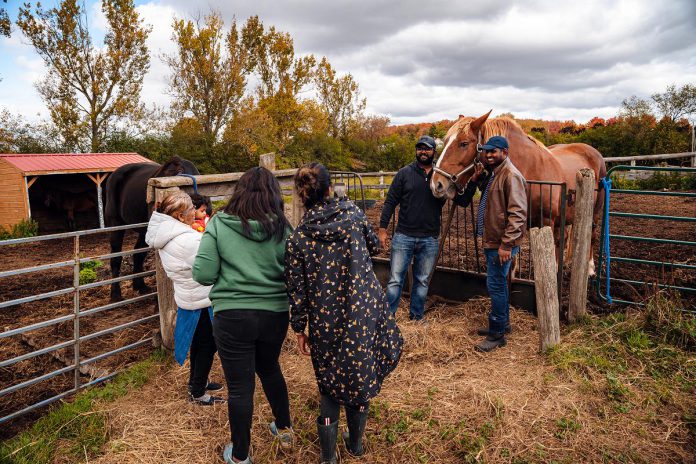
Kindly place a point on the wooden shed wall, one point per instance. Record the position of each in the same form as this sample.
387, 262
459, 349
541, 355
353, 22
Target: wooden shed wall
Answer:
13, 195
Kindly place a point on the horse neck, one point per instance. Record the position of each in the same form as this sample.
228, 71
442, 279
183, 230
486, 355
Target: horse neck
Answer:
533, 161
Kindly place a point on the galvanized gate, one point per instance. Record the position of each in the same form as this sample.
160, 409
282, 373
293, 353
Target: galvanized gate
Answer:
77, 358
633, 262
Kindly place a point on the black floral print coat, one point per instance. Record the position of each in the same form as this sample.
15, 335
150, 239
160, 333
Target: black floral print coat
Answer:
354, 339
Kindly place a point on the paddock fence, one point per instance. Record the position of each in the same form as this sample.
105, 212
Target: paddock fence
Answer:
79, 363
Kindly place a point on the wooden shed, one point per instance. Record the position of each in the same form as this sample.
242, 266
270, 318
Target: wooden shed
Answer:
48, 186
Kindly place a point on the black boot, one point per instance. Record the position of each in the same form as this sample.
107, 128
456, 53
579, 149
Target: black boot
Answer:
327, 440
483, 331
491, 342
356, 428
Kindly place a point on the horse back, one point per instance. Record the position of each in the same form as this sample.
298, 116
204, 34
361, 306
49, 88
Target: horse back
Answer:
126, 194
575, 156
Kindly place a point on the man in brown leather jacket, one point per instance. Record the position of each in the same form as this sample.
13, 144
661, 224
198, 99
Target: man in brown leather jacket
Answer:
502, 219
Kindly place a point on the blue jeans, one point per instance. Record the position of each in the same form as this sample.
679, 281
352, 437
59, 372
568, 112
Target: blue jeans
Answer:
423, 252
496, 281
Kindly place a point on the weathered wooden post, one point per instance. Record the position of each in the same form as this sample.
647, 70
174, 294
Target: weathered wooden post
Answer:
544, 259
268, 161
165, 287
381, 184
581, 240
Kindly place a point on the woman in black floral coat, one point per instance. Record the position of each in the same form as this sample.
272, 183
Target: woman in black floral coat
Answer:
354, 340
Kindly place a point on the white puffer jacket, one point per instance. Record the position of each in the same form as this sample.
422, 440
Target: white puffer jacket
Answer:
177, 245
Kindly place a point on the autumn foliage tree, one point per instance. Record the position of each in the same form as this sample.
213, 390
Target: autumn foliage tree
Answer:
339, 98
88, 88
208, 72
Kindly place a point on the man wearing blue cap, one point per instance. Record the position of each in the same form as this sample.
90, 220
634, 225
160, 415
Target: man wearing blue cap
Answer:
501, 221
418, 227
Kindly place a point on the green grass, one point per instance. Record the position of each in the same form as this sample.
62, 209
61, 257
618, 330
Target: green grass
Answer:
639, 358
24, 228
76, 430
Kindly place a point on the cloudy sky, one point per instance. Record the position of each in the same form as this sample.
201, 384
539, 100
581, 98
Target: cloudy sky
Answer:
419, 61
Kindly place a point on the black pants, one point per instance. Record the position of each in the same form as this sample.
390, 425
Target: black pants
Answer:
249, 343
330, 409
201, 356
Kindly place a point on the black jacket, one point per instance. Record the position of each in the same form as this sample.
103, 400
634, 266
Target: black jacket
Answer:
353, 336
419, 210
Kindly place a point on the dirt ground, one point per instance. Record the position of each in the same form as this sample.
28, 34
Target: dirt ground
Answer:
445, 403
21, 256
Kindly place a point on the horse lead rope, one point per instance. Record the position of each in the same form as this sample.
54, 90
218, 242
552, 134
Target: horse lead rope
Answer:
606, 185
193, 178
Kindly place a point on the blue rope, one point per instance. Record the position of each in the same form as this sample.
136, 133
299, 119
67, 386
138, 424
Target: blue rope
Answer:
195, 184
606, 185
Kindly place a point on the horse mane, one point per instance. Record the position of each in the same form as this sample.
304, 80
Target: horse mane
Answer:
501, 126
172, 167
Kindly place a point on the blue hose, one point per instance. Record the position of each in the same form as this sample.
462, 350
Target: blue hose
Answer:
606, 185
195, 184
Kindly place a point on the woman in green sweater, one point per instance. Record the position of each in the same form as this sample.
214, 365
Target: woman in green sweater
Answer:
242, 256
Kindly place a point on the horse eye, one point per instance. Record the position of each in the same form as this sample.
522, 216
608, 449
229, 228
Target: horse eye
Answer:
463, 144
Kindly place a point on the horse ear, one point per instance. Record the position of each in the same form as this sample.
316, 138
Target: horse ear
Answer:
478, 123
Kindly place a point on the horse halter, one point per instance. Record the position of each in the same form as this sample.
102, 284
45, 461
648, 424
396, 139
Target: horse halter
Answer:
453, 178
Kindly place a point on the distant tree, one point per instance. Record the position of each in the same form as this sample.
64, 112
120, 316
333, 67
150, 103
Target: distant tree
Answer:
208, 72
5, 23
675, 103
280, 74
635, 107
339, 98
88, 88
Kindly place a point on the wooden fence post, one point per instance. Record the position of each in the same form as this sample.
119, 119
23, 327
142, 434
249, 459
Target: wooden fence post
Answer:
268, 161
165, 287
581, 240
381, 184
544, 259
296, 210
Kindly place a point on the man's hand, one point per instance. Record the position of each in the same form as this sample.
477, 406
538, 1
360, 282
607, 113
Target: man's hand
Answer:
382, 235
478, 170
303, 343
504, 255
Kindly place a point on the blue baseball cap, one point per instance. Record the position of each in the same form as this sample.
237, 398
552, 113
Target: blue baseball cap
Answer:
494, 142
427, 141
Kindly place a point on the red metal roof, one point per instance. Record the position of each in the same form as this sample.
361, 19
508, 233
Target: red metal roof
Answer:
87, 162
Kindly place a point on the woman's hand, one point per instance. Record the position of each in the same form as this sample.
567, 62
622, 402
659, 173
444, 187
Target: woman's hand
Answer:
303, 343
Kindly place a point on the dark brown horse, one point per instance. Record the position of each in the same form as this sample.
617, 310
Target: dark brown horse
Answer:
69, 203
558, 163
126, 192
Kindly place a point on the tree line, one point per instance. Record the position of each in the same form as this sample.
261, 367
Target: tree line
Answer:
240, 90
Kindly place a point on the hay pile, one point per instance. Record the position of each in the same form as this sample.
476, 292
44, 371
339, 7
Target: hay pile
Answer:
445, 403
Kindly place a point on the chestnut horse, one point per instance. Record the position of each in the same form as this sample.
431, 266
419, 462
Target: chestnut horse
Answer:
557, 163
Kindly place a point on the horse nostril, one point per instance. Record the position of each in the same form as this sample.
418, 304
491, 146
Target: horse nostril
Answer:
439, 186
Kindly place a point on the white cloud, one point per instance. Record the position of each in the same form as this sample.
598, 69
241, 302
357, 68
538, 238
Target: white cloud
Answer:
418, 61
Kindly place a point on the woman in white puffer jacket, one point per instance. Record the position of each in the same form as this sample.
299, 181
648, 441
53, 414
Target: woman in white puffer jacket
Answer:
169, 232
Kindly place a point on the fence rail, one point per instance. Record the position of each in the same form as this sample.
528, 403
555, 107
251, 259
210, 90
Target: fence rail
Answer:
78, 360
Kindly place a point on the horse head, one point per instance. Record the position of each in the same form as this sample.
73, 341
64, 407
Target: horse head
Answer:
174, 166
455, 165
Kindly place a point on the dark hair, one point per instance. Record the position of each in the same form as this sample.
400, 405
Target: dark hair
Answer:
257, 197
312, 182
199, 200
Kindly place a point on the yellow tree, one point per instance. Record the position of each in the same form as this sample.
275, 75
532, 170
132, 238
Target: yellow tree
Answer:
338, 97
281, 76
5, 23
208, 72
88, 88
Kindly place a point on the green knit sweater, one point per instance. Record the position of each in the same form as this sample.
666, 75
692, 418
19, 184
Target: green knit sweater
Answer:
246, 271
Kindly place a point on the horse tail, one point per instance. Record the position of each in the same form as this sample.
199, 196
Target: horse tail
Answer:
172, 167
